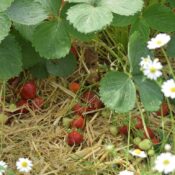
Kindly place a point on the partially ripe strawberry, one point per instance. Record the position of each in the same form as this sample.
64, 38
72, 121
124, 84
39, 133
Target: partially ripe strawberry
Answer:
22, 103
139, 123
28, 90
74, 138
150, 133
78, 109
37, 103
92, 100
164, 110
74, 87
123, 130
78, 123
74, 51
155, 141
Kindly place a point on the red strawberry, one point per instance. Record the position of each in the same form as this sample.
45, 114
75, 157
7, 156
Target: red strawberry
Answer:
139, 123
92, 100
74, 138
123, 130
78, 109
164, 110
74, 51
74, 87
28, 90
22, 103
150, 133
78, 123
155, 141
37, 103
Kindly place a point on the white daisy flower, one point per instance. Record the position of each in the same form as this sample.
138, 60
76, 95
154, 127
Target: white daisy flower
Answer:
158, 41
126, 172
164, 163
145, 61
153, 69
3, 167
167, 147
168, 88
24, 165
138, 153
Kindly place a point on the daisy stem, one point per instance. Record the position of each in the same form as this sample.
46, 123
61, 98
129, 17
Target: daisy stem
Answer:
129, 134
143, 120
168, 62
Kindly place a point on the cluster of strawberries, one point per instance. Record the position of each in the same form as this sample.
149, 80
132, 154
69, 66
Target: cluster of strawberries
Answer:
89, 102
29, 98
138, 126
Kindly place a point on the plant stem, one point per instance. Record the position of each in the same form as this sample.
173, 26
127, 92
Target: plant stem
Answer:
111, 52
129, 133
143, 120
168, 62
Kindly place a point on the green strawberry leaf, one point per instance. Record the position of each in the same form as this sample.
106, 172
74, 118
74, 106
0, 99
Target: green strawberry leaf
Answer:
142, 27
77, 1
62, 67
150, 93
10, 58
39, 70
87, 18
118, 92
51, 6
4, 4
136, 49
51, 40
123, 7
25, 30
5, 25
27, 12
171, 47
160, 17
121, 21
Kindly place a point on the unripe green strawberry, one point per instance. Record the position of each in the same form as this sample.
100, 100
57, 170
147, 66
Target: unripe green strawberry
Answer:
113, 130
137, 140
146, 144
67, 122
3, 118
151, 152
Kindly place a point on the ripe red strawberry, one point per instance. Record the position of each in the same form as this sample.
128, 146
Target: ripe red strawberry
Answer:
28, 90
22, 103
92, 100
74, 51
78, 109
78, 123
74, 138
164, 109
139, 123
123, 130
37, 103
150, 133
155, 141
74, 87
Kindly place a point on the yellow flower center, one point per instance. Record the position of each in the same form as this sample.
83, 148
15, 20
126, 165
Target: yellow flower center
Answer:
24, 164
172, 89
166, 162
152, 69
137, 151
159, 42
